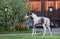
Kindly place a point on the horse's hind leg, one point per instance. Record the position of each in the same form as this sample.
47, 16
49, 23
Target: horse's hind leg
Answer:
44, 30
49, 30
48, 26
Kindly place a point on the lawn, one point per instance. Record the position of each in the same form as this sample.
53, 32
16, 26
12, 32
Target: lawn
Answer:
31, 37
18, 32
14, 32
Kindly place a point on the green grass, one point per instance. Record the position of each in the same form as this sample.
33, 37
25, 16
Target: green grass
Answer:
18, 32
14, 32
31, 37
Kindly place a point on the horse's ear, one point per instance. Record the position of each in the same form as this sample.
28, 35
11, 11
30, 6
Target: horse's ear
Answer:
27, 13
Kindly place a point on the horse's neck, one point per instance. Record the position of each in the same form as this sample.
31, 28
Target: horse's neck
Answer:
34, 16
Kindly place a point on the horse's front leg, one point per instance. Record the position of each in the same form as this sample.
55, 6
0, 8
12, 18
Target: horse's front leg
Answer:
33, 30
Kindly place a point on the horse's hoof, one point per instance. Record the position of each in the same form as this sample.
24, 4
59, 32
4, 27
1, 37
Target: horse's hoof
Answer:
51, 34
43, 35
32, 34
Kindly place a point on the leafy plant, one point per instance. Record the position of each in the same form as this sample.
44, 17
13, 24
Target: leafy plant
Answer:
16, 11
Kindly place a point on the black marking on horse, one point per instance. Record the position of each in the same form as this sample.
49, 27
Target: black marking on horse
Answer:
29, 13
41, 21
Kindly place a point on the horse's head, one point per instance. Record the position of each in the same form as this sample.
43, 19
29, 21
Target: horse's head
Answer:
29, 14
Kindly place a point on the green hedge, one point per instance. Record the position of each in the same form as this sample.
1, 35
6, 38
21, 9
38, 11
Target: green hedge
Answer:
16, 11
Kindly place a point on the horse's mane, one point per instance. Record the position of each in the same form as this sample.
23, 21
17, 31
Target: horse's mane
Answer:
34, 14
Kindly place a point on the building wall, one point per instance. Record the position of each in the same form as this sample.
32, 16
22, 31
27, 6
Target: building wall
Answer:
49, 3
36, 5
58, 4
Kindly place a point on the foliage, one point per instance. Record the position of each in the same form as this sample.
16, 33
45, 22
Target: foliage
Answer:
16, 11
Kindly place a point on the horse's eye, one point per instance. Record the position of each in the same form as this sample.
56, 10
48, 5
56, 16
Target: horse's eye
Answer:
30, 13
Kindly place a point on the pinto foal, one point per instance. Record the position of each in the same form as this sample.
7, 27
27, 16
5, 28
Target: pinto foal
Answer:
44, 20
